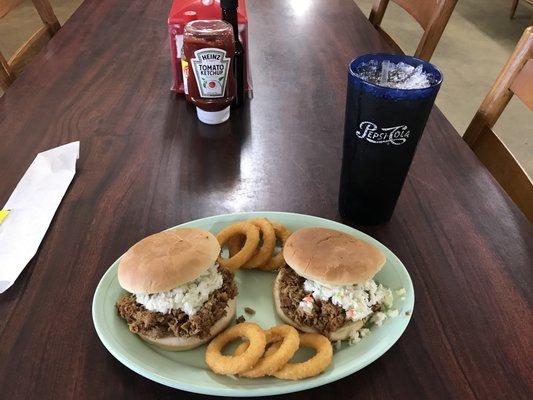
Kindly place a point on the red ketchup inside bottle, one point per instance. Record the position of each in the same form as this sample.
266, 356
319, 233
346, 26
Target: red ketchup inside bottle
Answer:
209, 48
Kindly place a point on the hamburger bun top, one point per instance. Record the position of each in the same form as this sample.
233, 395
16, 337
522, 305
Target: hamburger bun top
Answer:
162, 261
332, 257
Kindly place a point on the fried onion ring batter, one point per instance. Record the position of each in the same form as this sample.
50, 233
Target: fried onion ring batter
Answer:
315, 365
287, 340
251, 232
264, 252
230, 365
277, 261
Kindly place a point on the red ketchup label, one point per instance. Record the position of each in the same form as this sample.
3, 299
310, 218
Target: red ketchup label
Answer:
209, 48
211, 67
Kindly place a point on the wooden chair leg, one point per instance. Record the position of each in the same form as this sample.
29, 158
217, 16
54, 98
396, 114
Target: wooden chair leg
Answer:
45, 11
6, 77
377, 12
513, 8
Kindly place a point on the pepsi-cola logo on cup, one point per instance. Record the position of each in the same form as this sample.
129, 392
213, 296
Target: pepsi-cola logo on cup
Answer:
396, 135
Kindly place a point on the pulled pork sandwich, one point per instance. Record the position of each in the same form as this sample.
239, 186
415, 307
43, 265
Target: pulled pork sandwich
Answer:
179, 297
327, 285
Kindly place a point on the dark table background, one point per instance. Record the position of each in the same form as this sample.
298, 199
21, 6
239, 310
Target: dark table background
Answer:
146, 164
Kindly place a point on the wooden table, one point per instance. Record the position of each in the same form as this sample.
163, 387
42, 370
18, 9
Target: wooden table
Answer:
146, 164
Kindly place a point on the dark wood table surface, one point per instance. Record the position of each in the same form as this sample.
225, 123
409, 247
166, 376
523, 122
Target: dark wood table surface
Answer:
146, 164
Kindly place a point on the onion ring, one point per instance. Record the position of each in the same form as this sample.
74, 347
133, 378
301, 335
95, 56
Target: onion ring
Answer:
265, 251
235, 244
275, 357
230, 365
315, 365
270, 348
252, 240
277, 261
269, 243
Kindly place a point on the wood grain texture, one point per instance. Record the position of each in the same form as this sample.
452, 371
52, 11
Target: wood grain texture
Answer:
6, 76
522, 85
432, 15
146, 163
515, 78
46, 12
506, 169
9, 70
28, 51
500, 94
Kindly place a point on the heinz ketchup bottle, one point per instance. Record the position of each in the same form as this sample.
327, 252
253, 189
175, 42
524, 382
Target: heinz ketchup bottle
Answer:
209, 48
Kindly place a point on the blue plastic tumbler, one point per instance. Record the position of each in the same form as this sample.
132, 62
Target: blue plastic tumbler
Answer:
382, 128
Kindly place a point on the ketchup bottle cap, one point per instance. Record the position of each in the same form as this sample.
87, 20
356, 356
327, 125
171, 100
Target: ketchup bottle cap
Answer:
213, 117
229, 4
189, 16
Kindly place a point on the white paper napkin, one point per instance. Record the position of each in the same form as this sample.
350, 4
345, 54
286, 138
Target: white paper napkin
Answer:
32, 206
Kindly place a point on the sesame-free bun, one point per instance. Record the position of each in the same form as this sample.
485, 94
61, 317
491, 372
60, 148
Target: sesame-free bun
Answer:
162, 261
174, 343
332, 257
342, 333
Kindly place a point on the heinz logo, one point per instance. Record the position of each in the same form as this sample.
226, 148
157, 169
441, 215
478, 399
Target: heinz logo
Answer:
396, 135
210, 56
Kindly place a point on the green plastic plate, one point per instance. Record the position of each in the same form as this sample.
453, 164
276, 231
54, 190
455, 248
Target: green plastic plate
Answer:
187, 370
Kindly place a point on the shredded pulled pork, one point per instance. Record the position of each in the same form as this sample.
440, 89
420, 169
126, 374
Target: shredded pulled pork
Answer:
325, 316
176, 323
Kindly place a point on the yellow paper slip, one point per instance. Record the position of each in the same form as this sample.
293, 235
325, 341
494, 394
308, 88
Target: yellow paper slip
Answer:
3, 215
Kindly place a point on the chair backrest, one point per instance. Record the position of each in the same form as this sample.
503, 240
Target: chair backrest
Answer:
432, 15
10, 69
516, 78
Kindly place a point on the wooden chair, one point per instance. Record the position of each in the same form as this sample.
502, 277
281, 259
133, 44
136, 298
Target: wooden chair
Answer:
516, 78
432, 15
515, 4
9, 70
